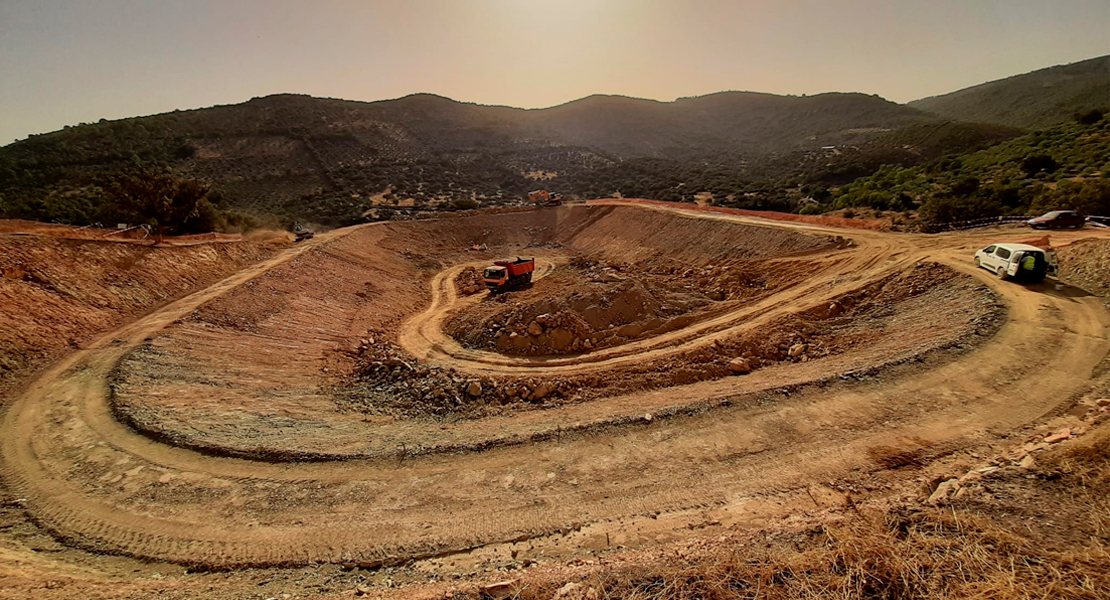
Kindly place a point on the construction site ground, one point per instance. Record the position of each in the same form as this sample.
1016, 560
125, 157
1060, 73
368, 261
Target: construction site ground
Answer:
349, 414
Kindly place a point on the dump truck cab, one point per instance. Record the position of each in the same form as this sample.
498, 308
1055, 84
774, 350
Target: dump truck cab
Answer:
495, 276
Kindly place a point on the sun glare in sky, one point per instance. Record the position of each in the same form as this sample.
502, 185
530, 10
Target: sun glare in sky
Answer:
64, 62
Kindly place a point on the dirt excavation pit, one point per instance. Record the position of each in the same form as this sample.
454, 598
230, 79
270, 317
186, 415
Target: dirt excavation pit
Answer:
368, 429
901, 317
590, 303
319, 346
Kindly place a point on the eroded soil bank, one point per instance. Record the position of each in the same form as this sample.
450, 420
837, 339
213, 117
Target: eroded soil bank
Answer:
57, 293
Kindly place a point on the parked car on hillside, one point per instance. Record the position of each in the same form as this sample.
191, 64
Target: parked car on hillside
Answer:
1020, 261
1058, 219
1098, 221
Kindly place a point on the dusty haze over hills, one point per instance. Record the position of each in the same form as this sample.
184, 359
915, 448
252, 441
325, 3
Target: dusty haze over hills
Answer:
65, 62
336, 161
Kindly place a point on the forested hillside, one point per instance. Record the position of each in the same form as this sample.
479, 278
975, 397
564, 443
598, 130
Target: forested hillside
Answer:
1031, 101
1062, 167
338, 162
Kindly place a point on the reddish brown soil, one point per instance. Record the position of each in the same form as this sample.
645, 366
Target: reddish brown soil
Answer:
592, 304
18, 227
890, 321
1086, 263
57, 293
887, 370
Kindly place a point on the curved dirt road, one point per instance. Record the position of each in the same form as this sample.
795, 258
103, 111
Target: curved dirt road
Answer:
843, 271
96, 483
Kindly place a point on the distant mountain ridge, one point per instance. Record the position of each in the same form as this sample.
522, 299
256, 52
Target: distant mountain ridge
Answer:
1035, 100
335, 161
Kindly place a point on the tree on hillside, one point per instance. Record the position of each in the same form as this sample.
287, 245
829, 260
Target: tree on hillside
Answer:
1038, 163
154, 196
1089, 118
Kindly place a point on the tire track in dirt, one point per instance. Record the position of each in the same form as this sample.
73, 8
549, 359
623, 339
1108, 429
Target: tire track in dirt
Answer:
424, 337
222, 513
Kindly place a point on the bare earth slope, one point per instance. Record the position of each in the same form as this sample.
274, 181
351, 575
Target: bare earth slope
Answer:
803, 418
57, 293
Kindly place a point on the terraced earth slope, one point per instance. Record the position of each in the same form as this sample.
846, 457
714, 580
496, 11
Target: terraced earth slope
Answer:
313, 407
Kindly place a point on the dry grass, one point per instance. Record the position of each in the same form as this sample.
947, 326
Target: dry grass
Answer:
934, 554
902, 553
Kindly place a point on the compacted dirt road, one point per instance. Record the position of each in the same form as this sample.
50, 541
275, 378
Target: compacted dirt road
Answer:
98, 484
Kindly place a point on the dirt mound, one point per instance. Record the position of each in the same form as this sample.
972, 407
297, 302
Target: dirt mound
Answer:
469, 282
570, 313
591, 304
1086, 264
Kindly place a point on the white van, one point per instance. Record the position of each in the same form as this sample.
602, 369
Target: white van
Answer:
1020, 261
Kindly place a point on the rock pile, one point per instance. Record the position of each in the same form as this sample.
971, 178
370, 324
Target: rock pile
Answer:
469, 282
389, 381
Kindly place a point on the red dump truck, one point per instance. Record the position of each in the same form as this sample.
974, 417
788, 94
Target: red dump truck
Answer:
505, 274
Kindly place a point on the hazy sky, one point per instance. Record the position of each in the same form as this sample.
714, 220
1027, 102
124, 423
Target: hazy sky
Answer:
64, 62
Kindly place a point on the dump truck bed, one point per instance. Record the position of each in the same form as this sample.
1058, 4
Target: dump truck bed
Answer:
519, 266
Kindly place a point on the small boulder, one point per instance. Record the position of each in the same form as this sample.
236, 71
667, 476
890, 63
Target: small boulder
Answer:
1059, 436
630, 330
560, 339
1028, 462
970, 477
1102, 402
542, 319
740, 365
474, 389
944, 490
535, 328
542, 391
501, 589
567, 592
835, 309
797, 350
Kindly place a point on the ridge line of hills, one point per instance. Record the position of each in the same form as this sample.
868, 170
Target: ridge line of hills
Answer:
338, 162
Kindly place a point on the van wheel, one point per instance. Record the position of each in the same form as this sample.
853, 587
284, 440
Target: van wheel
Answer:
977, 263
1001, 272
